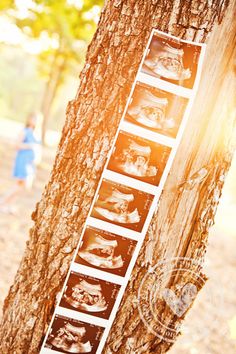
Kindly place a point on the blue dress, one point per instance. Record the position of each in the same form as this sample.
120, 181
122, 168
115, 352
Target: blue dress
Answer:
24, 162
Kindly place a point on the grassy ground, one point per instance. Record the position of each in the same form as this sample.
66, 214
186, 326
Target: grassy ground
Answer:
210, 327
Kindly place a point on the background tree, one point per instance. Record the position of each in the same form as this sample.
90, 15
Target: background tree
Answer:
71, 25
187, 205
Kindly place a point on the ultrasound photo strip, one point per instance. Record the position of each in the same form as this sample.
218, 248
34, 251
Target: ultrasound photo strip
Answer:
84, 313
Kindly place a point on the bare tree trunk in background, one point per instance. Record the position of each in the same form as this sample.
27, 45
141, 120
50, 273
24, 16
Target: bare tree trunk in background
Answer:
51, 89
180, 227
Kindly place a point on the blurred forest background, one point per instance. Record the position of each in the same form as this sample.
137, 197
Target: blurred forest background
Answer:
42, 47
42, 50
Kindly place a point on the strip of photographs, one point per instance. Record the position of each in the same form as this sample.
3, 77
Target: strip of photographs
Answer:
127, 195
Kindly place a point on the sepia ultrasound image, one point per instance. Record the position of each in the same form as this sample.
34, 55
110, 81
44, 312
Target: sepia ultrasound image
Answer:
172, 60
139, 158
106, 251
156, 110
72, 336
89, 295
122, 205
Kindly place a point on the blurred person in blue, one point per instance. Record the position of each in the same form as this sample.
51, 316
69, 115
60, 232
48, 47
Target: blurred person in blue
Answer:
27, 156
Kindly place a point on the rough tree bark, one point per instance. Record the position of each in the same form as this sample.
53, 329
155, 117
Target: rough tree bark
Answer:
187, 205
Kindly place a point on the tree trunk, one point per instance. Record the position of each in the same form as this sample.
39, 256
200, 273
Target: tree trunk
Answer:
187, 205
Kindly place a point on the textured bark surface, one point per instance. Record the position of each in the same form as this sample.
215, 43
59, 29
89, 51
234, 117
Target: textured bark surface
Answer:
187, 205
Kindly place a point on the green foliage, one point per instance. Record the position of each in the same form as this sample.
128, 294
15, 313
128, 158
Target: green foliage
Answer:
60, 21
66, 26
6, 5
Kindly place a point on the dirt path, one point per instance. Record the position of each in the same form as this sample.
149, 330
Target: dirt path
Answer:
14, 228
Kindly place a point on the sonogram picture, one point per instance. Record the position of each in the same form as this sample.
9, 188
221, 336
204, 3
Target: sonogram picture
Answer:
106, 251
139, 158
89, 295
122, 205
156, 110
172, 59
73, 336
